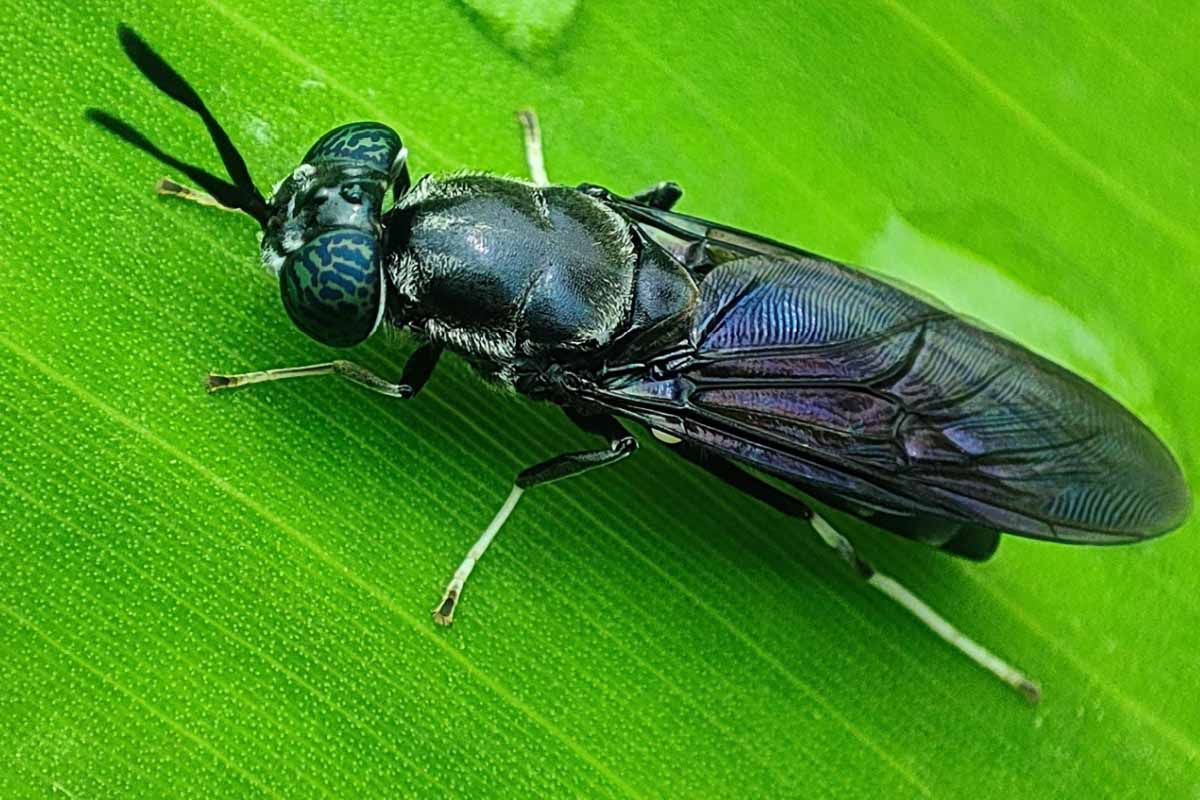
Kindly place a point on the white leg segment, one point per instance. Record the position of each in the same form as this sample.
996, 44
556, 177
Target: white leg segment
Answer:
533, 146
217, 382
170, 188
346, 369
932, 619
443, 612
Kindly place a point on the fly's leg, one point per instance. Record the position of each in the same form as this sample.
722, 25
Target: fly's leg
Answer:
170, 188
533, 146
787, 504
662, 195
620, 445
417, 370
932, 619
443, 612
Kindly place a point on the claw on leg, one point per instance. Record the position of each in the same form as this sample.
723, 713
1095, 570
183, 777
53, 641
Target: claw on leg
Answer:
443, 612
215, 383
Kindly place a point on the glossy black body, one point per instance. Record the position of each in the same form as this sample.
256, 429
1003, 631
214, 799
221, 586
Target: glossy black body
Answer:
533, 285
857, 392
740, 350
735, 347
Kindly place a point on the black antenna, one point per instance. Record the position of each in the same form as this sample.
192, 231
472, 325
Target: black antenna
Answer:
242, 193
223, 191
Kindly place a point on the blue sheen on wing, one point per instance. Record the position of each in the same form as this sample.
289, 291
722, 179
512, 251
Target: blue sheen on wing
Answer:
844, 384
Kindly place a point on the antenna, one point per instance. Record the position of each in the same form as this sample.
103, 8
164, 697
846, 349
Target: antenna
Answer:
241, 193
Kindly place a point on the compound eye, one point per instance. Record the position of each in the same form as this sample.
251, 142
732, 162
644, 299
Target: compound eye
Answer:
371, 145
332, 287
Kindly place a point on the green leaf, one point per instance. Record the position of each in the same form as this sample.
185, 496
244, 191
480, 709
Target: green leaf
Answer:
229, 595
527, 27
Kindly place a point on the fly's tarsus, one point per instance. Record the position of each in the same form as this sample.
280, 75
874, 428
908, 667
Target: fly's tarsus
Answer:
215, 383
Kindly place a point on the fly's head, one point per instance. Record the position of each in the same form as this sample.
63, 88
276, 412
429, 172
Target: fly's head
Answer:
322, 233
324, 236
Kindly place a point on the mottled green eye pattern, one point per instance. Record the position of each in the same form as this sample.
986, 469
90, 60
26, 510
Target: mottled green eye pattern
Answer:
332, 287
371, 145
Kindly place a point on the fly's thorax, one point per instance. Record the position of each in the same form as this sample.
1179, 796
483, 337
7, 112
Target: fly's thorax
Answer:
323, 237
504, 271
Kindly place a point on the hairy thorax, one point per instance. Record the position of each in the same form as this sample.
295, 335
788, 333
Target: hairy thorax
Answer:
507, 273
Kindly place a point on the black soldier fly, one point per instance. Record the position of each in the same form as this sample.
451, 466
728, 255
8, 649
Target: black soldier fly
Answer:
746, 355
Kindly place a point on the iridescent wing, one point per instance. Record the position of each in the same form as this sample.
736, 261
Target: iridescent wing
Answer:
854, 389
